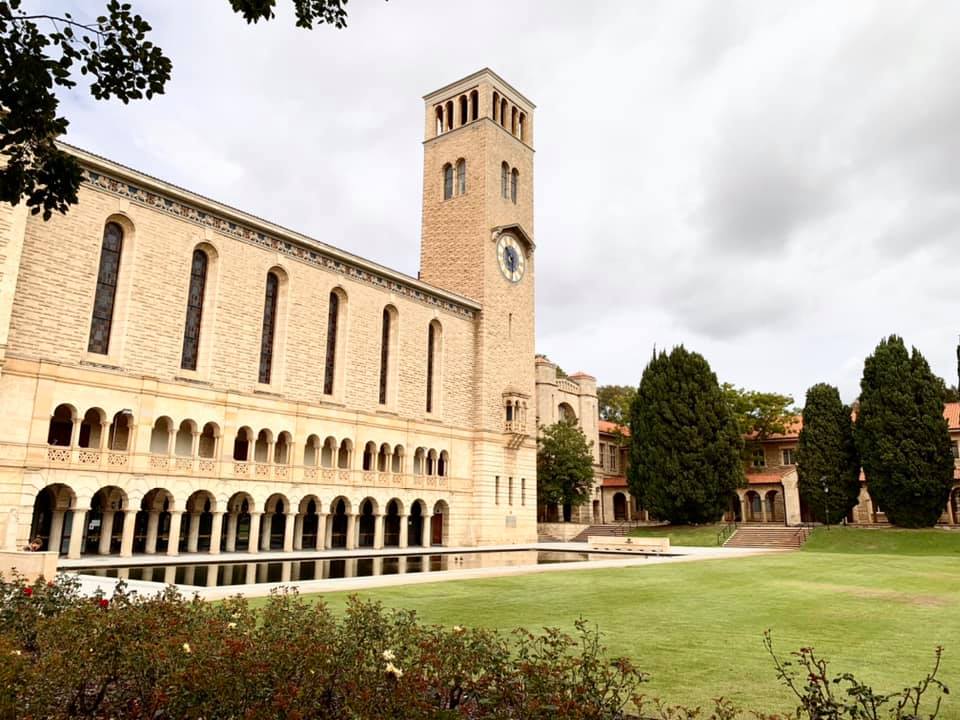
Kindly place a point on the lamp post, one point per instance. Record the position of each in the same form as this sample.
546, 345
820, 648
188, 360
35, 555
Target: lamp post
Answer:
826, 505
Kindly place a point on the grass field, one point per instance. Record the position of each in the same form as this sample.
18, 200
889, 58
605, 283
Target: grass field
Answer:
683, 535
697, 627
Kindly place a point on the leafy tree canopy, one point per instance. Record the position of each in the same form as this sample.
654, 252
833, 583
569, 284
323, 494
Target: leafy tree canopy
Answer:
902, 436
42, 54
685, 442
828, 465
614, 402
759, 414
564, 464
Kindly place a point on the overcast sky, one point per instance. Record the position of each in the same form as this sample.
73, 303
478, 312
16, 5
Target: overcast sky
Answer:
772, 184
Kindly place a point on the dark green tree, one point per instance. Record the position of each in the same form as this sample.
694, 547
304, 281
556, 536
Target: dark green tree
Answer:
828, 466
685, 443
41, 54
902, 436
564, 466
614, 402
760, 414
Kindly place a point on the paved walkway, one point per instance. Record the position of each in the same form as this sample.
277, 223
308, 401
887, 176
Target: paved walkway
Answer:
91, 584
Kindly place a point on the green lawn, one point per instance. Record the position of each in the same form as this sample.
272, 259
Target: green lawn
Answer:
697, 626
885, 541
683, 535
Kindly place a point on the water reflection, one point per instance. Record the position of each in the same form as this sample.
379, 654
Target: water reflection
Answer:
222, 574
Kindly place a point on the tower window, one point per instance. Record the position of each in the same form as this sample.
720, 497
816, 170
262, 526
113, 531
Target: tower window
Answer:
384, 356
269, 327
474, 105
439, 119
333, 315
463, 110
513, 121
514, 176
520, 125
503, 112
431, 363
504, 180
447, 181
106, 293
461, 176
496, 106
191, 329
449, 114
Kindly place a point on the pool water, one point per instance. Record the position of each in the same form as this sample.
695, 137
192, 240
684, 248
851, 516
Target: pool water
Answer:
225, 574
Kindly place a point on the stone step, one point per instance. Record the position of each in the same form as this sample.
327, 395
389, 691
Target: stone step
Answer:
766, 536
618, 530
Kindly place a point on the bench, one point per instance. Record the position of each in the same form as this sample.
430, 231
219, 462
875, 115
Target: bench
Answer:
629, 544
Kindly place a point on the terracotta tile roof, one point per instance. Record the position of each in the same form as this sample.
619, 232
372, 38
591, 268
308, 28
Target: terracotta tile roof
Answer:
768, 476
614, 481
605, 426
951, 411
793, 431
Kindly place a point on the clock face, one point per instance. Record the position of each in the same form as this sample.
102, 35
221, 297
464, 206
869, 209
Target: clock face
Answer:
511, 258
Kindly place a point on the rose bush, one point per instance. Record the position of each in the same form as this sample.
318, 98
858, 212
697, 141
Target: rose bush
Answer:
66, 655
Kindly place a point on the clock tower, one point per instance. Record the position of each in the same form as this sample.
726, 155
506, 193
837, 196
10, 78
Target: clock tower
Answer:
477, 240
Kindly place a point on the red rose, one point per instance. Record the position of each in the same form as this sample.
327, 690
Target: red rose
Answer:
28, 591
104, 602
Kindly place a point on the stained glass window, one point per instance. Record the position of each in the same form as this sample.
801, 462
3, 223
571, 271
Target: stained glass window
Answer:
269, 326
191, 328
332, 317
106, 289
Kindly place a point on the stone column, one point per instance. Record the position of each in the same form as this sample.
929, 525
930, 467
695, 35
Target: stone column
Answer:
129, 525
297, 531
211, 575
427, 531
78, 528
378, 521
216, 532
106, 530
266, 526
195, 444
231, 532
172, 441
351, 531
254, 532
404, 530
251, 576
288, 528
75, 432
322, 525
763, 507
193, 534
56, 531
173, 546
153, 524
104, 436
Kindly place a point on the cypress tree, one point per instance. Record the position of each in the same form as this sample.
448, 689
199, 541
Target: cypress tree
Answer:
902, 435
685, 443
827, 450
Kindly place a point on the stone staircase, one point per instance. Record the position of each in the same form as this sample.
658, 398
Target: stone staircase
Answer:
609, 530
767, 536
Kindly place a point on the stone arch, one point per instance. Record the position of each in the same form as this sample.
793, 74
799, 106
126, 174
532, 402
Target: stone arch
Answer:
209, 439
383, 458
367, 522
239, 523
282, 448
773, 502
474, 104
152, 522
619, 507
261, 446
565, 412
328, 452
119, 433
242, 444
311, 451
443, 464
160, 436
53, 509
369, 456
396, 460
273, 523
431, 464
60, 430
392, 517
91, 428
419, 461
345, 454
464, 110
753, 509
104, 525
183, 440
415, 523
307, 531
339, 524
196, 525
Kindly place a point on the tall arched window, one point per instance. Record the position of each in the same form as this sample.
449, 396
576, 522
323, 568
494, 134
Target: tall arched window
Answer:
384, 356
513, 120
503, 112
106, 293
514, 178
448, 113
431, 363
439, 119
191, 328
463, 110
504, 180
269, 327
461, 176
333, 315
520, 125
474, 105
447, 181
496, 105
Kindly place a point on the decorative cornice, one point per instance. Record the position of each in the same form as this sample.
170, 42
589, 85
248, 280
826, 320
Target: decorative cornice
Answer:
317, 256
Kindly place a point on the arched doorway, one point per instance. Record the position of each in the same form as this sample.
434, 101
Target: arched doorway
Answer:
391, 525
103, 530
368, 524
338, 524
152, 523
273, 524
237, 538
754, 508
53, 518
438, 529
415, 524
309, 524
196, 525
774, 506
619, 507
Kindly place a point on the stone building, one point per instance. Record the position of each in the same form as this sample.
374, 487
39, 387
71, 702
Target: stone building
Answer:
179, 375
